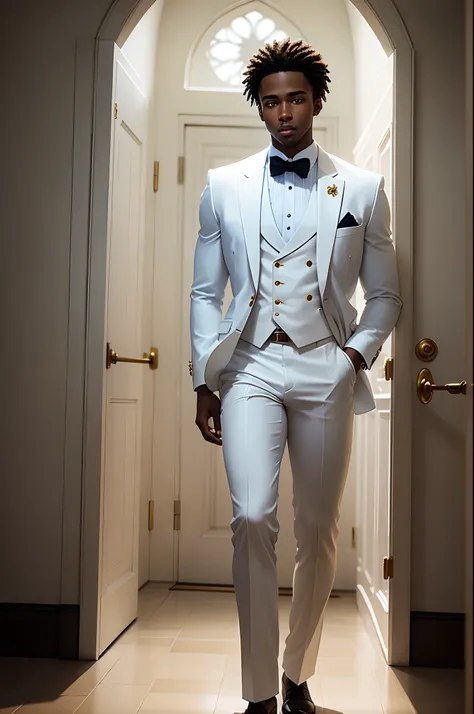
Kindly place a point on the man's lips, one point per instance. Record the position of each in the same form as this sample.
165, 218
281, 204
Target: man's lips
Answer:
287, 130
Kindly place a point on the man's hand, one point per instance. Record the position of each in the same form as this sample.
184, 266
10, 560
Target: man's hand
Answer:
355, 357
209, 407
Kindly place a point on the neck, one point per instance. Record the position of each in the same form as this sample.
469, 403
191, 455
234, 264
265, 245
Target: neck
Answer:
291, 151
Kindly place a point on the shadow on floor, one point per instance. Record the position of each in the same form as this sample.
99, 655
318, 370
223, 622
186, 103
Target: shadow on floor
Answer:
24, 680
443, 687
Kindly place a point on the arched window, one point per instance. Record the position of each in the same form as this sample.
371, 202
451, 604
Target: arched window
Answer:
219, 57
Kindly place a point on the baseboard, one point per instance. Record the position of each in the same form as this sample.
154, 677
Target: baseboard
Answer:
32, 630
437, 639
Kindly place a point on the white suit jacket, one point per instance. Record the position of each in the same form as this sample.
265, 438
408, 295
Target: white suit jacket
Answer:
228, 247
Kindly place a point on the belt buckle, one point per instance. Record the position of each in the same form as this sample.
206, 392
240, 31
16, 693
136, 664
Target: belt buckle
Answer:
280, 336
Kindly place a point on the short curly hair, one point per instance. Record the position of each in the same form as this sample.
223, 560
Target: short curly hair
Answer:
286, 56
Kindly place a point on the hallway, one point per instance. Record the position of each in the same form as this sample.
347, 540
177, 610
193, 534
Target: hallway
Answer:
182, 657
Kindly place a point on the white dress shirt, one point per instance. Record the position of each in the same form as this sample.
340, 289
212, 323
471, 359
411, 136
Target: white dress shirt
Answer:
289, 194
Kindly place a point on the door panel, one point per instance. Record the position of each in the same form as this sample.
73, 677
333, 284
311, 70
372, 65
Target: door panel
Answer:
205, 549
123, 382
371, 457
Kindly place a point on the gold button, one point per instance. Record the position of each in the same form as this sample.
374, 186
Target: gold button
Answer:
309, 263
277, 282
277, 314
309, 298
277, 265
252, 300
277, 302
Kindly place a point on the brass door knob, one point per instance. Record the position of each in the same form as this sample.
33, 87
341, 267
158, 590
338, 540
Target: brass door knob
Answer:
425, 387
426, 350
150, 358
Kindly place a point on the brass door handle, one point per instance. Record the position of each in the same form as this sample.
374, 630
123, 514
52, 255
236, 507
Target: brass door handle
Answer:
149, 358
425, 387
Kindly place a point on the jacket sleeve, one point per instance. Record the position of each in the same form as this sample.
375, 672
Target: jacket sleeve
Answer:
379, 280
210, 280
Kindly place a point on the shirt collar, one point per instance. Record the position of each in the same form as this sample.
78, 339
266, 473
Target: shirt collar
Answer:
311, 153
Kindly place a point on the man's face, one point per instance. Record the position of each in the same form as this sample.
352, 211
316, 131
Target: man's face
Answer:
287, 108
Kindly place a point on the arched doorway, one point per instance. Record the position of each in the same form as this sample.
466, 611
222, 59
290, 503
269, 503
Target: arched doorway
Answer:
122, 17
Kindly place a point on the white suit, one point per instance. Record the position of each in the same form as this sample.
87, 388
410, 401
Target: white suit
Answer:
229, 247
302, 393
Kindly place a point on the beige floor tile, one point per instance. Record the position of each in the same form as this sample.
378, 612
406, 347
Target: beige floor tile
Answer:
342, 668
147, 642
90, 679
402, 706
230, 705
349, 702
182, 654
216, 631
233, 666
161, 631
357, 647
204, 646
119, 699
209, 685
63, 705
231, 686
430, 685
179, 665
179, 704
140, 667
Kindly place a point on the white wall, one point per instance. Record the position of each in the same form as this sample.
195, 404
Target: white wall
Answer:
141, 46
37, 56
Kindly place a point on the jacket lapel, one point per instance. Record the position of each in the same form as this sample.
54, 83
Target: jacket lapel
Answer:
250, 200
330, 195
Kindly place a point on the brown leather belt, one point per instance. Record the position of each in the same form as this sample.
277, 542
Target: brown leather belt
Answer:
279, 336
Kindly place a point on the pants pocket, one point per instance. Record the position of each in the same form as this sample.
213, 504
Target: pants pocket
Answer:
351, 363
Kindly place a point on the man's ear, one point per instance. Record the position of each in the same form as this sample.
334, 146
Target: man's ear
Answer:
317, 106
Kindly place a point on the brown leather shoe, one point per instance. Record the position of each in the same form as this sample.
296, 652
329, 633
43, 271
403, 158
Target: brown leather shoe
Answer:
296, 698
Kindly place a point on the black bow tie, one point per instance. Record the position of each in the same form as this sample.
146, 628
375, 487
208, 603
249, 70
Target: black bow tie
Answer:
278, 166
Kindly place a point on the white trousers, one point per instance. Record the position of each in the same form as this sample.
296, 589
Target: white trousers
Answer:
269, 397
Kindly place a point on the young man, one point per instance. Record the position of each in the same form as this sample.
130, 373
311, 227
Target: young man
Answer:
294, 229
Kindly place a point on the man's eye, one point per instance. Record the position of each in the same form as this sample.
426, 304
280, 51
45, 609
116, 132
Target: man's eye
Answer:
297, 100
269, 105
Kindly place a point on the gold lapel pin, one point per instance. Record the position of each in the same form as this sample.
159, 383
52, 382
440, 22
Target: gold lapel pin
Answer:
332, 190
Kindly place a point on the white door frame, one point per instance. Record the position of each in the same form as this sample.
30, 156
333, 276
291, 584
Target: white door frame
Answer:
469, 357
88, 270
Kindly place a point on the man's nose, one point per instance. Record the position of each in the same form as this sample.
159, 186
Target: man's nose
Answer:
285, 112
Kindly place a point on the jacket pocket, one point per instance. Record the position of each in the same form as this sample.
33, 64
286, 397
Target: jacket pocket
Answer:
352, 230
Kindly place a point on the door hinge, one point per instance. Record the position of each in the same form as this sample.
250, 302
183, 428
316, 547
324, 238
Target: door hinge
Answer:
156, 175
177, 516
388, 368
151, 515
180, 170
388, 568
115, 110
354, 537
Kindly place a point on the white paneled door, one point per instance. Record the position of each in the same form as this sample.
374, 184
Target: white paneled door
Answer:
371, 459
205, 549
124, 383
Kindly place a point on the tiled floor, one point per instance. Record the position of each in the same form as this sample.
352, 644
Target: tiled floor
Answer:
182, 657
